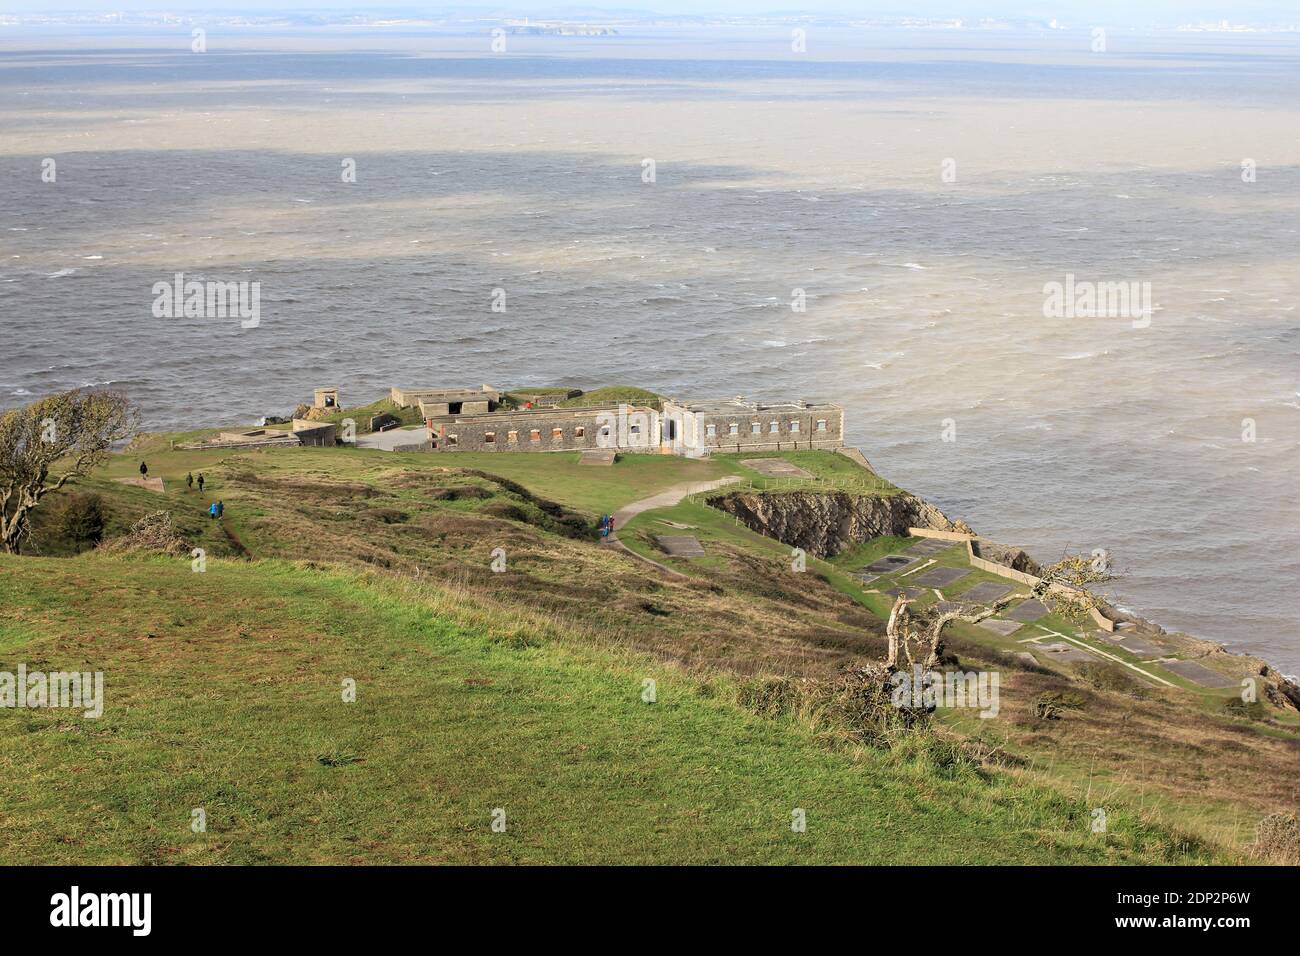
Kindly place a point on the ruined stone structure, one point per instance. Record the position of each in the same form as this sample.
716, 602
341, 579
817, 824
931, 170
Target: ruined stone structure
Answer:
448, 401
738, 425
327, 398
246, 438
625, 428
301, 432
691, 429
315, 434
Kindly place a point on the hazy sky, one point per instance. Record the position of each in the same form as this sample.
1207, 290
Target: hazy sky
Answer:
1091, 11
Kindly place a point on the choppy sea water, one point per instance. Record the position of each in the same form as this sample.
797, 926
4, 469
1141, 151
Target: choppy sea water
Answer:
772, 174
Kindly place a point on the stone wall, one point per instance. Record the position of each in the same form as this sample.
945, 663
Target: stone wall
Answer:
679, 429
975, 546
551, 429
438, 409
288, 441
733, 430
410, 397
315, 434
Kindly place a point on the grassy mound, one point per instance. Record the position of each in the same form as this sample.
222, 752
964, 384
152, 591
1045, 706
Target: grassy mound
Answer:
613, 395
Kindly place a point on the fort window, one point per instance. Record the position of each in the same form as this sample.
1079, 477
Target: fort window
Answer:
634, 429
557, 434
794, 427
710, 430
535, 434
512, 436
733, 429
821, 424
773, 427
453, 408
489, 438
451, 439
755, 428
579, 431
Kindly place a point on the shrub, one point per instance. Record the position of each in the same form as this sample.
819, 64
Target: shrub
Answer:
1236, 707
856, 702
154, 532
1112, 677
1054, 705
1277, 839
80, 522
770, 697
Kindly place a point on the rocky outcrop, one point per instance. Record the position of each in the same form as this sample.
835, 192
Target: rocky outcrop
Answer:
1007, 556
824, 524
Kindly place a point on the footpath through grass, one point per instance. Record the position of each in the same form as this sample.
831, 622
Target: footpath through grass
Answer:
558, 476
224, 692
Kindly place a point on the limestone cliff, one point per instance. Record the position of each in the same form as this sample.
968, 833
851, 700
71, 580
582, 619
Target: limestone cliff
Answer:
1009, 555
825, 523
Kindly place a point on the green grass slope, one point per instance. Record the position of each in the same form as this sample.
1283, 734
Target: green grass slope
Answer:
613, 395
224, 692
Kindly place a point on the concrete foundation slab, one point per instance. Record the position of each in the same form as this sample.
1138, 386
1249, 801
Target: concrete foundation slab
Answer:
943, 607
680, 545
910, 592
1000, 627
1198, 674
1134, 645
1067, 652
941, 577
889, 563
1027, 611
152, 484
986, 591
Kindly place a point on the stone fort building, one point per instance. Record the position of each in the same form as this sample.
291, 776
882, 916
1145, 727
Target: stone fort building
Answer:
682, 428
448, 401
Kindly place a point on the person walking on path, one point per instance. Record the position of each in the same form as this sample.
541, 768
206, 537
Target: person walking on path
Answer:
189, 480
212, 510
200, 482
144, 470
221, 508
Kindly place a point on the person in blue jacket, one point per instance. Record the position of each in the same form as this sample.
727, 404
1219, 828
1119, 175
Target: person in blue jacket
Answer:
212, 510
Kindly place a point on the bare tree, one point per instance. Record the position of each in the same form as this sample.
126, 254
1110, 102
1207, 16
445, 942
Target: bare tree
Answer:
1063, 587
70, 433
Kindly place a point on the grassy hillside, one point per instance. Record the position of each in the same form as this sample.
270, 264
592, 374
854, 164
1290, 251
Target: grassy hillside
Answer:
223, 692
332, 543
